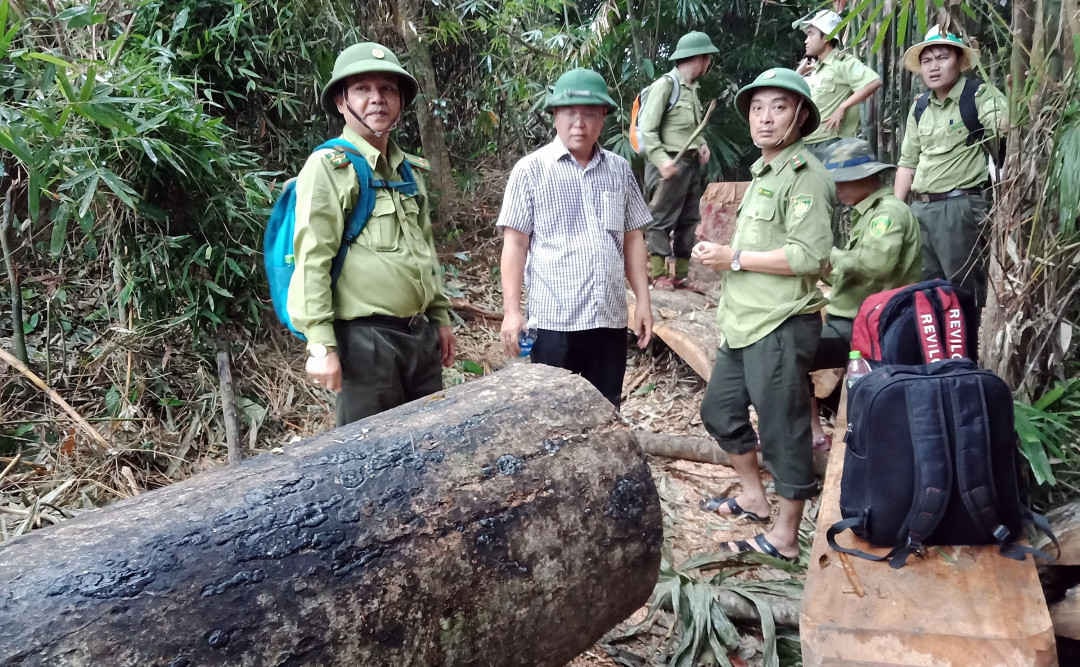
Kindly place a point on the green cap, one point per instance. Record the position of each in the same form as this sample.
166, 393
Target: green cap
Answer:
969, 57
852, 159
579, 87
693, 44
786, 79
365, 58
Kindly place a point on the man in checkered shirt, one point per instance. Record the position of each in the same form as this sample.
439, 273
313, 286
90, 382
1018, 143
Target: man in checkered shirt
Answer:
572, 217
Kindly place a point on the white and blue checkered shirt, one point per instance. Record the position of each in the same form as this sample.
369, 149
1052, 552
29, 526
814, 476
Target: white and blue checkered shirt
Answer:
576, 218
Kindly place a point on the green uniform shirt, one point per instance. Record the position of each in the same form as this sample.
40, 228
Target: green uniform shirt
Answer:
833, 79
788, 205
666, 130
391, 268
883, 252
935, 147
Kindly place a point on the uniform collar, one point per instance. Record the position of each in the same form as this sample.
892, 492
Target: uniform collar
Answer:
871, 200
954, 93
371, 154
680, 79
779, 163
828, 58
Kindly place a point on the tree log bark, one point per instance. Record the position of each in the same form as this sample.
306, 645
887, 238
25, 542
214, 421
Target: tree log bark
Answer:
508, 521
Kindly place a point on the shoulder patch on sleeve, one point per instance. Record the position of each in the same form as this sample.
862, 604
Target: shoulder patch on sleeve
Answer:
338, 158
880, 224
801, 204
417, 161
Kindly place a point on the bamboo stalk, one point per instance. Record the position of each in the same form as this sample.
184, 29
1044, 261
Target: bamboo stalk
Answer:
228, 404
17, 336
89, 430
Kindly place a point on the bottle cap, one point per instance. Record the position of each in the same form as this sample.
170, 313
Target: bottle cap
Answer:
854, 354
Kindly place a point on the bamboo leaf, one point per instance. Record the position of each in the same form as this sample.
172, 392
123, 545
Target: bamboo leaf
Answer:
218, 289
49, 58
88, 196
119, 188
59, 236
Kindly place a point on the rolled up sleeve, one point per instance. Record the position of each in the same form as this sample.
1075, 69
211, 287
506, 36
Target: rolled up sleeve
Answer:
809, 223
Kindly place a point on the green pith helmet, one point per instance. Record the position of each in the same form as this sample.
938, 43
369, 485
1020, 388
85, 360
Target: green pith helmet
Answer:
364, 58
852, 160
786, 79
969, 57
579, 87
693, 44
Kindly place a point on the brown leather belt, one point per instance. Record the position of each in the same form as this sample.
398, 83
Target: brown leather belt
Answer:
927, 197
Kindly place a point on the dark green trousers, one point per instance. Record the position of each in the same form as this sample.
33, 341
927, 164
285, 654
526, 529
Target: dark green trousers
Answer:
385, 365
954, 241
676, 214
771, 375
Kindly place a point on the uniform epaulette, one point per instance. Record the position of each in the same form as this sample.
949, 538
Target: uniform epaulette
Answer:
798, 161
417, 161
337, 158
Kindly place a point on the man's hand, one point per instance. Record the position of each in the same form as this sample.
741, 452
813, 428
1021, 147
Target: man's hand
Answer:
805, 66
325, 371
704, 154
833, 121
512, 325
713, 255
668, 169
447, 345
642, 326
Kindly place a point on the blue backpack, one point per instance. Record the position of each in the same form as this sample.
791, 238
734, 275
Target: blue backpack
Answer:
278, 258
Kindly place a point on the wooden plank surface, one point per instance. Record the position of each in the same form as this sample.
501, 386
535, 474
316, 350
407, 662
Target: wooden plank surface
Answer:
956, 606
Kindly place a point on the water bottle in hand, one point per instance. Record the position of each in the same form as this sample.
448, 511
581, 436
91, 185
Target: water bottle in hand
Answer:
525, 341
857, 368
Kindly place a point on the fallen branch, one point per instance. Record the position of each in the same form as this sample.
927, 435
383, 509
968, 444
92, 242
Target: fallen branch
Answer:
55, 398
463, 306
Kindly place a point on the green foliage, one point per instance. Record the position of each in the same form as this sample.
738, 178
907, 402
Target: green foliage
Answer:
1066, 169
1049, 431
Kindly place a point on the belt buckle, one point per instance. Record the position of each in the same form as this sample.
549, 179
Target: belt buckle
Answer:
416, 321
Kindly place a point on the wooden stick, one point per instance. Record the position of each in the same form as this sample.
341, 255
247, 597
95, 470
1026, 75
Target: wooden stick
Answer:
55, 398
464, 306
228, 405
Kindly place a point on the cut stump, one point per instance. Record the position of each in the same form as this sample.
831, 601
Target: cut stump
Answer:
508, 521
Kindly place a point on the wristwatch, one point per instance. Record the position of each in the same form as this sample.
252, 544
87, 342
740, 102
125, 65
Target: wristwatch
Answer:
317, 350
736, 265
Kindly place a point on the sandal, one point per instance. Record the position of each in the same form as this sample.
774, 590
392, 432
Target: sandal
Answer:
734, 509
764, 546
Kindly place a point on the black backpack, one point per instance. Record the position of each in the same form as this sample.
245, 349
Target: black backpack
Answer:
932, 458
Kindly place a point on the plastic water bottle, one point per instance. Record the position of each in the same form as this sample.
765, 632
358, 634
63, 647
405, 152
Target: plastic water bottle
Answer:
525, 341
857, 368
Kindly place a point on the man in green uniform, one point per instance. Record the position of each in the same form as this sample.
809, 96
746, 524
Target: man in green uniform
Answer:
664, 132
943, 164
882, 252
769, 311
839, 82
380, 334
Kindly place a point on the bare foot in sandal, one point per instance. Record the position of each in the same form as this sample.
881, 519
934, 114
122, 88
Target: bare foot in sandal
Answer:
732, 507
761, 543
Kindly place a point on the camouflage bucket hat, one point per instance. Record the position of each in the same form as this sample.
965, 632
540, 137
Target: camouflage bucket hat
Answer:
693, 44
969, 57
579, 87
853, 160
786, 79
365, 58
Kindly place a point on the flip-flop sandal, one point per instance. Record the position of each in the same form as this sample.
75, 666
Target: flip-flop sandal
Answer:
764, 546
735, 510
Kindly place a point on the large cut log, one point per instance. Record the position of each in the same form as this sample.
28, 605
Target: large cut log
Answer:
1065, 523
955, 606
508, 521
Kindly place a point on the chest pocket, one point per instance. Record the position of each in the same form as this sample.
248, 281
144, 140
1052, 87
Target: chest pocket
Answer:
939, 136
824, 83
383, 230
759, 224
612, 213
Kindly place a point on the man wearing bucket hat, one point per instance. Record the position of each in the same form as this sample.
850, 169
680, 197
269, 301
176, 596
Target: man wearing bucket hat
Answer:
571, 218
665, 131
381, 333
882, 251
839, 82
943, 160
769, 312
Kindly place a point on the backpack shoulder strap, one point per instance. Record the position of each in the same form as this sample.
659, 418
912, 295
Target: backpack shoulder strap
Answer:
969, 112
933, 476
365, 201
921, 102
955, 336
974, 473
676, 89
926, 326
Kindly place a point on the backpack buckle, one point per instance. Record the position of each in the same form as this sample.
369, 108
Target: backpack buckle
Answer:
1002, 534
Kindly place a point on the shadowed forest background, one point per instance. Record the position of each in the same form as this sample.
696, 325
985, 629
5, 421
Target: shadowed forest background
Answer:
142, 144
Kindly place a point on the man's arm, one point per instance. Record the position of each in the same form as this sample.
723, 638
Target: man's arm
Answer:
512, 268
649, 120
718, 257
856, 98
636, 257
902, 182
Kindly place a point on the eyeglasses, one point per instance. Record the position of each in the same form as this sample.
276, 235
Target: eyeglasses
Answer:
588, 114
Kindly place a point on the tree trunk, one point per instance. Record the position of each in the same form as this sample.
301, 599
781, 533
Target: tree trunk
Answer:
508, 521
432, 135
